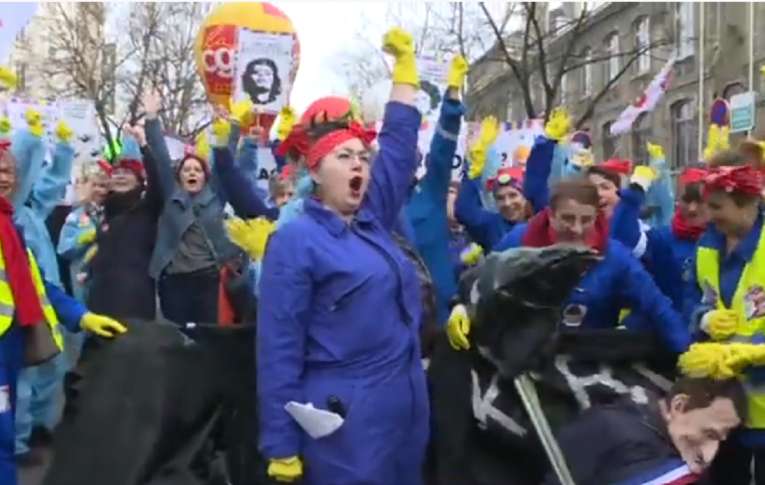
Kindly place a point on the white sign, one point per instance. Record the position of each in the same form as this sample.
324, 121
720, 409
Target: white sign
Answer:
16, 111
742, 110
263, 67
81, 116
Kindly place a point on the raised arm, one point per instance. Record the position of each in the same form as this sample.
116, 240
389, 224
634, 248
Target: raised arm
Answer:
77, 235
50, 189
155, 139
239, 191
28, 148
396, 163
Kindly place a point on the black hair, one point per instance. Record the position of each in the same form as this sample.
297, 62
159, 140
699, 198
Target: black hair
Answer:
320, 125
702, 391
693, 193
433, 92
252, 89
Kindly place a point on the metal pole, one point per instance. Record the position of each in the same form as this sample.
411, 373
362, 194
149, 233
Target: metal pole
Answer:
702, 45
751, 46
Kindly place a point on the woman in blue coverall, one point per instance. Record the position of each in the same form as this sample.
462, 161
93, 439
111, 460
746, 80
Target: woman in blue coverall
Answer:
426, 207
725, 299
340, 309
44, 303
40, 187
574, 217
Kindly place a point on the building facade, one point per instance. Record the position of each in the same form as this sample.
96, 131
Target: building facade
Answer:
612, 69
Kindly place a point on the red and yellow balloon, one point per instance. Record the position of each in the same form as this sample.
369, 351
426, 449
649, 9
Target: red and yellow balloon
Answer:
216, 43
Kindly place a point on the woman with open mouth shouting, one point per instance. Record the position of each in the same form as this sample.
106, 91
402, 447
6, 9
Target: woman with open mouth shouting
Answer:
339, 308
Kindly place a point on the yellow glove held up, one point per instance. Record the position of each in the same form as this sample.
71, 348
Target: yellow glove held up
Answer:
87, 237
558, 125
477, 161
202, 146
400, 45
63, 132
286, 470
743, 355
723, 143
220, 131
8, 78
243, 112
286, 122
5, 125
458, 328
471, 254
643, 176
101, 325
708, 359
251, 235
489, 131
655, 152
34, 122
719, 324
458, 69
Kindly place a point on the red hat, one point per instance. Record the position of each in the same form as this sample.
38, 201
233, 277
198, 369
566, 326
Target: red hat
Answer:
105, 167
507, 176
135, 166
618, 166
335, 107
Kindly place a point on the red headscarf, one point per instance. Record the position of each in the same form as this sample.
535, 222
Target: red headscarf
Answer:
681, 228
324, 145
28, 307
618, 166
746, 180
539, 233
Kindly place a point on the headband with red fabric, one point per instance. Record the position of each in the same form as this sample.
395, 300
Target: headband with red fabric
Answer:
746, 180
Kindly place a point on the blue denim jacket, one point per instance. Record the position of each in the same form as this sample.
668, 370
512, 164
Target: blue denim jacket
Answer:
183, 209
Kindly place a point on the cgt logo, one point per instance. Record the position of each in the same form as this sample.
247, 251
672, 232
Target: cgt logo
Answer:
218, 54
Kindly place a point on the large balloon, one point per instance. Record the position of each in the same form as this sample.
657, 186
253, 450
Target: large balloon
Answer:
216, 44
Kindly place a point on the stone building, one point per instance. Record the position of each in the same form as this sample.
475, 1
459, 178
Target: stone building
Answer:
621, 28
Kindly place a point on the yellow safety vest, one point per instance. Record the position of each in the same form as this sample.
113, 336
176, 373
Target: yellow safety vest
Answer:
8, 307
748, 303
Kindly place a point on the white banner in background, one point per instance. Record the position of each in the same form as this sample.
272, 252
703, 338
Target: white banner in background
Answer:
80, 115
263, 66
16, 111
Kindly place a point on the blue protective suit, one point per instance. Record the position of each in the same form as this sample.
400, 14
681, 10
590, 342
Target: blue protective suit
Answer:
69, 312
486, 227
39, 189
339, 317
731, 268
618, 278
426, 208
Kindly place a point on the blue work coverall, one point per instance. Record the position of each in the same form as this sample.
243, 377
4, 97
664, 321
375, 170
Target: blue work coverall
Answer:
69, 312
40, 187
426, 208
338, 321
618, 278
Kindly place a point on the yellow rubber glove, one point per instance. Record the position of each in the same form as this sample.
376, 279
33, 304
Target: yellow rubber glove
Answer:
286, 122
399, 43
64, 133
8, 78
251, 235
286, 470
708, 359
34, 122
655, 152
643, 176
471, 254
220, 131
713, 142
458, 328
101, 325
243, 112
480, 149
5, 126
719, 324
723, 143
90, 254
558, 125
202, 146
743, 355
87, 237
458, 69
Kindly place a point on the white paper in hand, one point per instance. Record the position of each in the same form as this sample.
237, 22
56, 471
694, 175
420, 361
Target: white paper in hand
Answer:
318, 423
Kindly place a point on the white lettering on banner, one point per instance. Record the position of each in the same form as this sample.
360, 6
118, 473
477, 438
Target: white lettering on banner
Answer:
483, 406
219, 61
604, 377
